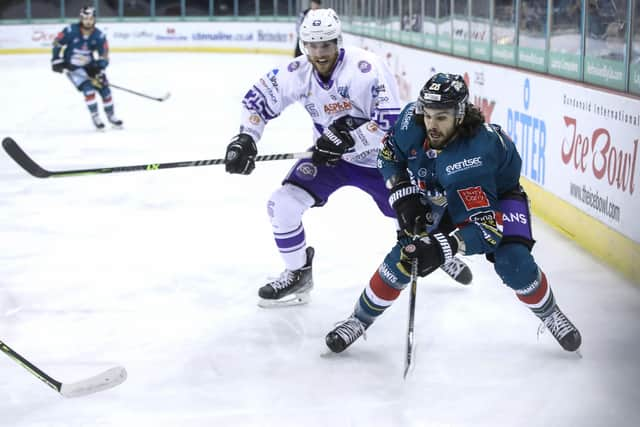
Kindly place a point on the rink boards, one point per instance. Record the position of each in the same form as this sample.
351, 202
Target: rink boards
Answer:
579, 145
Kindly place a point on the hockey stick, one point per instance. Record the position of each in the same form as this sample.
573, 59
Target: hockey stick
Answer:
144, 95
412, 314
408, 361
106, 380
159, 99
16, 153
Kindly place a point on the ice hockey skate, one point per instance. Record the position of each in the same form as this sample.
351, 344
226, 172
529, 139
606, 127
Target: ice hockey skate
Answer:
97, 122
345, 333
458, 270
115, 122
562, 329
292, 287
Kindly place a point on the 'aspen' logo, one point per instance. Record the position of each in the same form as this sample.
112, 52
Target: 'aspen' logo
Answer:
337, 107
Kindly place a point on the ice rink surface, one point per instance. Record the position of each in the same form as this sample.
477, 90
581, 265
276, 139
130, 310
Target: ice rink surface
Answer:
159, 271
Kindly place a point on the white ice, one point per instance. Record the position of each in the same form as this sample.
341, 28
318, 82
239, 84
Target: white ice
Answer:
159, 271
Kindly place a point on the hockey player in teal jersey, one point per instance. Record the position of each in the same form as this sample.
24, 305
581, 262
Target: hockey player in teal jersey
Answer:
439, 152
85, 57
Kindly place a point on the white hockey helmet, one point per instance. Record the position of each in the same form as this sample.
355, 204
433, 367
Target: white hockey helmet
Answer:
88, 16
320, 25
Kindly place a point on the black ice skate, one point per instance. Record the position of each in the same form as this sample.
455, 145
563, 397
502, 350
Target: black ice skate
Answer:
458, 271
562, 329
97, 122
345, 333
291, 288
115, 122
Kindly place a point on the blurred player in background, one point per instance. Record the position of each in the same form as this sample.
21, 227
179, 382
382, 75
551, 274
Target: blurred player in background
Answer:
86, 56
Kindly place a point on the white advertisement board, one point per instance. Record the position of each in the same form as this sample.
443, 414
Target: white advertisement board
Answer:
578, 143
249, 35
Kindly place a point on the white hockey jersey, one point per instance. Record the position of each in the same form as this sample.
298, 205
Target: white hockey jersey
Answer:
361, 86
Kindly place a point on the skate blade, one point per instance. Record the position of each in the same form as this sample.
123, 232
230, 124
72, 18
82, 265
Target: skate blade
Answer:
329, 354
288, 301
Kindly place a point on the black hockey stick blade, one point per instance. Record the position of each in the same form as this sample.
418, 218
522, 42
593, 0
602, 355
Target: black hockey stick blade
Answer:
21, 158
27, 163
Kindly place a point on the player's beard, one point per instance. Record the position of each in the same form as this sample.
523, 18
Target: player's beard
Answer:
86, 26
324, 68
438, 140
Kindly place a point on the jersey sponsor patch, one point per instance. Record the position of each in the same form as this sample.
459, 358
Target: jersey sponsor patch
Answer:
306, 171
473, 198
338, 107
293, 66
490, 219
463, 165
364, 66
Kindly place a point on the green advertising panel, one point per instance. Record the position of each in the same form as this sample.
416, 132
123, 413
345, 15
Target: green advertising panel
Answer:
532, 58
504, 54
564, 64
444, 43
461, 47
480, 50
604, 72
634, 78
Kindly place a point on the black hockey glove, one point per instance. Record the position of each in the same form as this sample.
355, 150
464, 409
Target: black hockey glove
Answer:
411, 213
92, 69
431, 251
57, 65
241, 153
334, 142
100, 80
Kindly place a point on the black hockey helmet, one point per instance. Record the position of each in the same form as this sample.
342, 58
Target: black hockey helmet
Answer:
443, 91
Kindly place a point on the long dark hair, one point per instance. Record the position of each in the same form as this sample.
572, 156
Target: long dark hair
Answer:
472, 121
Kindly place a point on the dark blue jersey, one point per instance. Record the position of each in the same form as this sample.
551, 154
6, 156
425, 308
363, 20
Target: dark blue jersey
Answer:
473, 173
79, 49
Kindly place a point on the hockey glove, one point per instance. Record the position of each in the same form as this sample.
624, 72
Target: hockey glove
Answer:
241, 153
57, 65
334, 142
92, 69
100, 80
411, 213
431, 252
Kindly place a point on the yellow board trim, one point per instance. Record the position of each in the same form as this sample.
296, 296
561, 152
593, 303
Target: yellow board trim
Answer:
603, 242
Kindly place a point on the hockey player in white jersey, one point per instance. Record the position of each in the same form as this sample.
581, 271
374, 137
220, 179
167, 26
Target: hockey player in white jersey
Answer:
353, 100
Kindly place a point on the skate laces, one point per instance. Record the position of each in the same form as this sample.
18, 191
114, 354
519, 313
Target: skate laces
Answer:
454, 267
557, 323
285, 280
349, 330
